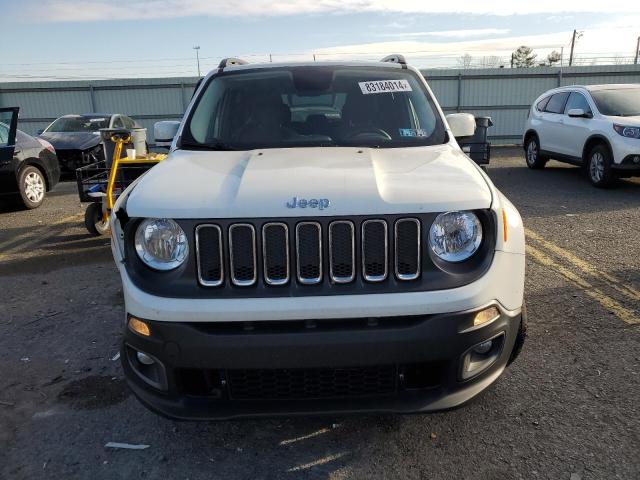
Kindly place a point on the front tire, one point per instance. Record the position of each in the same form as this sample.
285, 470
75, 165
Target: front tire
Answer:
599, 167
93, 220
32, 187
535, 161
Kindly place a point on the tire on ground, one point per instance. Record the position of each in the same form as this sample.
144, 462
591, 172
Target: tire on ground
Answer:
532, 155
93, 220
32, 187
598, 166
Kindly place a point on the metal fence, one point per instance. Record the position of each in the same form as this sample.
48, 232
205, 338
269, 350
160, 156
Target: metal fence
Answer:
503, 94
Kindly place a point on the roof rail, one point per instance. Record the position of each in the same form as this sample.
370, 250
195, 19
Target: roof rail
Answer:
230, 62
396, 58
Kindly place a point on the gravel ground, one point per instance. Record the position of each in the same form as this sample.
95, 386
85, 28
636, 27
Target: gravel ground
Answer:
567, 409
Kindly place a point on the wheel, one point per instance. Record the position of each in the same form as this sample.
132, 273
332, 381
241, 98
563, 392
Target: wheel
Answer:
535, 161
599, 167
93, 220
32, 187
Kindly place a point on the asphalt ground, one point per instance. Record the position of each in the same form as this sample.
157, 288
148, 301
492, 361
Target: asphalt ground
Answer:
567, 409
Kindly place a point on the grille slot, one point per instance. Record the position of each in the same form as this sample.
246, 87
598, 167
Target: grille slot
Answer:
242, 258
209, 255
309, 252
342, 254
407, 249
275, 253
375, 250
312, 383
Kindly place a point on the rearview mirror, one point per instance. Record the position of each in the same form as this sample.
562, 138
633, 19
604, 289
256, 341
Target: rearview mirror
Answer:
579, 112
462, 124
164, 132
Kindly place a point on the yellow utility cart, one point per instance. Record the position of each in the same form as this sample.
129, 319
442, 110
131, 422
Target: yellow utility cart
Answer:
101, 183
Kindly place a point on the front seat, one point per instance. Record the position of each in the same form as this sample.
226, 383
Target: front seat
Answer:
267, 122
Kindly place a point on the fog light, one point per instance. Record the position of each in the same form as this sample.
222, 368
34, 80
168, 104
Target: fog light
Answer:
147, 360
481, 349
139, 327
486, 315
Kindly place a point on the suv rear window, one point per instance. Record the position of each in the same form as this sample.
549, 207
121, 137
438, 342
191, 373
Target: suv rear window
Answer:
313, 106
556, 102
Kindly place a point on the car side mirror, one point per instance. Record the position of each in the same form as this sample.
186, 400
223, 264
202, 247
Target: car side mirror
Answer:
164, 132
462, 124
579, 113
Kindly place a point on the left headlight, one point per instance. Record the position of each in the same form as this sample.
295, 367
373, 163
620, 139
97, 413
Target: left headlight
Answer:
455, 236
161, 243
627, 131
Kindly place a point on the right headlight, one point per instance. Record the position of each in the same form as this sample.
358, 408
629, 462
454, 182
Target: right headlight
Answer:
455, 236
161, 243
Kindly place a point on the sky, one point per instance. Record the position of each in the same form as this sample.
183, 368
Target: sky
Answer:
80, 39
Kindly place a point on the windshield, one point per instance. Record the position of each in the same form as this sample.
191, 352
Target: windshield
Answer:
78, 123
314, 106
624, 102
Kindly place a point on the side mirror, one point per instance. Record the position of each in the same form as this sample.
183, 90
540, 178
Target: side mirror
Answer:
579, 113
461, 124
164, 132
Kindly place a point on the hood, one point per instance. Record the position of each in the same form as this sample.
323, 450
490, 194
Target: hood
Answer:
71, 140
633, 121
343, 181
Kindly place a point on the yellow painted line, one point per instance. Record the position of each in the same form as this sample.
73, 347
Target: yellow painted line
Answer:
623, 313
315, 463
585, 267
31, 253
37, 235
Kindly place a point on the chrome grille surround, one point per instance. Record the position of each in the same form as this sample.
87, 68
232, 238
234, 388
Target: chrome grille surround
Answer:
352, 275
398, 264
199, 260
302, 278
365, 270
242, 282
266, 267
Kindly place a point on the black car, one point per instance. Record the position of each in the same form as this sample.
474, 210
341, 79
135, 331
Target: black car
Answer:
28, 165
76, 138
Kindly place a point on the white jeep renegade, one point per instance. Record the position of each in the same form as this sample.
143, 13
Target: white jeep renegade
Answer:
316, 241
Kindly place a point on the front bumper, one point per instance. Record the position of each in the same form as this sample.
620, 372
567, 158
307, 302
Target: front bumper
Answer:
222, 370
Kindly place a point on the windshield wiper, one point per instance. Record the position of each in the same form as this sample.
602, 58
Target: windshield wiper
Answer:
218, 146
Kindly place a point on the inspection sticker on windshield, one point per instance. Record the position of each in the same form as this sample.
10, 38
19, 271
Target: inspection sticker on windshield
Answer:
385, 86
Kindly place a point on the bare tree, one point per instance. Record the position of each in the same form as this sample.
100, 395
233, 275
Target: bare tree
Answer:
490, 62
523, 57
465, 61
553, 58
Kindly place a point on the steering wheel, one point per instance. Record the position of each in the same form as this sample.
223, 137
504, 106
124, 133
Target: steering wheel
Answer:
367, 132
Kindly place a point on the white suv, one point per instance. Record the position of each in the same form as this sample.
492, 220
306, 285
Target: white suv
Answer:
595, 126
316, 241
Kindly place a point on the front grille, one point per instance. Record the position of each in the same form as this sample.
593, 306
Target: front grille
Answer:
311, 383
331, 252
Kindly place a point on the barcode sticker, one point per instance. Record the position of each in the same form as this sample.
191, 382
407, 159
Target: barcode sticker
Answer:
385, 86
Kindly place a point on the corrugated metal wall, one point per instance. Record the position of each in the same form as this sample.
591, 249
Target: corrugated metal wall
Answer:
503, 94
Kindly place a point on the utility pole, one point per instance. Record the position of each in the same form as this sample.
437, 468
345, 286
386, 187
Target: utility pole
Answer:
197, 49
512, 60
635, 62
576, 36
